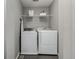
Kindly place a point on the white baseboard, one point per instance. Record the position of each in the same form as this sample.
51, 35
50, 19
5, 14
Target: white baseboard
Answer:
17, 56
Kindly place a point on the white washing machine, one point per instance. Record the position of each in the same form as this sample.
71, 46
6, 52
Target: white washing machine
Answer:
47, 42
28, 41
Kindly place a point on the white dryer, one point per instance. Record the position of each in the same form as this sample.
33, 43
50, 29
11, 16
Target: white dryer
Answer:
47, 42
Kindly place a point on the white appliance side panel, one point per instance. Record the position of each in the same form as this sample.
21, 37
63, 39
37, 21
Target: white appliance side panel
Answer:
29, 42
48, 42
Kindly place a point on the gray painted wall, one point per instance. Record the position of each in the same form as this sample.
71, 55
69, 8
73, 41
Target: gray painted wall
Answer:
54, 11
13, 12
63, 20
66, 29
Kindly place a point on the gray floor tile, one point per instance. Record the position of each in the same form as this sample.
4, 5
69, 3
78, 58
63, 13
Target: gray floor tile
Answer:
33, 57
47, 57
26, 57
37, 57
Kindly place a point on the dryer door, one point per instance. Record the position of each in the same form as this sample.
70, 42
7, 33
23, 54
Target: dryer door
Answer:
48, 42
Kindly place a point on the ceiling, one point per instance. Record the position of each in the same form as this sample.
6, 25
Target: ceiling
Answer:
40, 3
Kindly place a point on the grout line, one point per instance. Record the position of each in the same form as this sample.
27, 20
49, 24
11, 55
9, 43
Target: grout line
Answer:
23, 57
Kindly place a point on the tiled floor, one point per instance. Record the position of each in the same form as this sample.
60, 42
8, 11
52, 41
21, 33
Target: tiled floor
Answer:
37, 57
